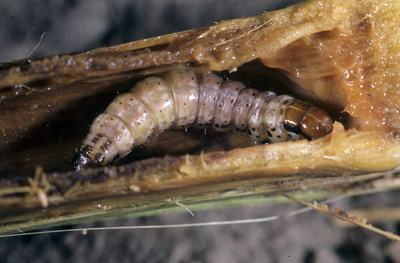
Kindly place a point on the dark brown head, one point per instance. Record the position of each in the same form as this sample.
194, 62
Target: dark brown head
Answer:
303, 118
316, 124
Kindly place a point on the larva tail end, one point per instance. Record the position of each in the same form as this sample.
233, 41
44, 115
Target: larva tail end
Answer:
316, 124
80, 161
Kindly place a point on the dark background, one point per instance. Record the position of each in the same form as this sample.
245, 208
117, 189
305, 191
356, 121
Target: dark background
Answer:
73, 25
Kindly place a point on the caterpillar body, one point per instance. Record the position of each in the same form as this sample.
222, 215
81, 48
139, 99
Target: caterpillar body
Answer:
184, 98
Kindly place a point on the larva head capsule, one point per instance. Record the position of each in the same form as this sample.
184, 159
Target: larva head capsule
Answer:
303, 118
316, 124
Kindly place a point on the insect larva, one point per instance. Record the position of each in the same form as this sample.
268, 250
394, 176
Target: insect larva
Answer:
183, 98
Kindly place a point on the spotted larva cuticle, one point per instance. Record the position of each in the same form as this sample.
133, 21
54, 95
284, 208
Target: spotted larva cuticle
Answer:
184, 98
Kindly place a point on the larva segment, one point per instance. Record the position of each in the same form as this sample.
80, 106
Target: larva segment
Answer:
117, 132
159, 100
256, 116
108, 138
130, 108
241, 110
274, 118
227, 96
209, 85
98, 148
185, 89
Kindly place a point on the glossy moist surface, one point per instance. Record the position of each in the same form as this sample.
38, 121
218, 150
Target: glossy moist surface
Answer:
182, 98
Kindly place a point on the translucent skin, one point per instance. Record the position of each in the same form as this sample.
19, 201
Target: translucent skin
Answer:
181, 99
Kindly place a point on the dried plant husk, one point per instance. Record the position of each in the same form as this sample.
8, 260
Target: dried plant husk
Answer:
340, 55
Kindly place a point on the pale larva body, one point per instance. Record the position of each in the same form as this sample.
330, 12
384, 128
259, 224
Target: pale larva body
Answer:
182, 99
